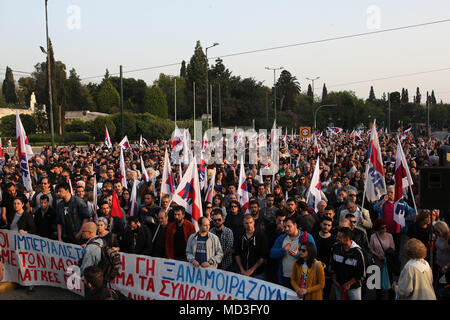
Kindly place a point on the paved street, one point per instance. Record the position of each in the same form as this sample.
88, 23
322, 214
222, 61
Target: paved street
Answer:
40, 293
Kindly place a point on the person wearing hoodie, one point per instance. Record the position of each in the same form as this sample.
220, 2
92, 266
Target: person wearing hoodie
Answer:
286, 249
347, 266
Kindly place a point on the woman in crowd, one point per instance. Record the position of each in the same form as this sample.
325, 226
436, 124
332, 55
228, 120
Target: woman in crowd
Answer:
22, 221
381, 242
125, 202
442, 261
308, 275
416, 278
105, 235
218, 202
422, 229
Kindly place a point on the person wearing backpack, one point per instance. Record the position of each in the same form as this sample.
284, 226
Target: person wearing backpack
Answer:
93, 249
286, 249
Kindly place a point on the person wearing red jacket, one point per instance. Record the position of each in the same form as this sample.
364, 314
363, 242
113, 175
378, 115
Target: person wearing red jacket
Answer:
177, 235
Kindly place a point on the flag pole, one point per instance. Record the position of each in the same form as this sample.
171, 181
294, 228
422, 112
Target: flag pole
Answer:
414, 200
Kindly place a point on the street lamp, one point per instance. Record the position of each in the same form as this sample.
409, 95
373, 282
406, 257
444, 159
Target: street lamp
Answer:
312, 80
274, 90
207, 83
315, 113
50, 97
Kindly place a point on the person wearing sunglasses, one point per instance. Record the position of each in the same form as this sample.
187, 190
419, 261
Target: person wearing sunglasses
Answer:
226, 238
308, 275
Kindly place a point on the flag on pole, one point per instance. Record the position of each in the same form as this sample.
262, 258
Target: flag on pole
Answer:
133, 199
168, 182
202, 173
406, 134
316, 145
125, 144
22, 142
375, 183
145, 176
402, 180
116, 210
108, 142
243, 194
315, 186
204, 141
188, 193
334, 130
95, 198
123, 175
210, 192
357, 138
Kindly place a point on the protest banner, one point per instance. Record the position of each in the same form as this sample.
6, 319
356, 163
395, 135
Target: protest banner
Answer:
33, 260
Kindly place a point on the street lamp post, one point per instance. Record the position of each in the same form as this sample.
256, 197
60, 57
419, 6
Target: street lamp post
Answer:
207, 83
315, 113
274, 90
312, 80
50, 97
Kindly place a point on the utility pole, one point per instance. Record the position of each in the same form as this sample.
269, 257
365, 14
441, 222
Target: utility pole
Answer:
50, 96
121, 104
274, 90
220, 109
389, 112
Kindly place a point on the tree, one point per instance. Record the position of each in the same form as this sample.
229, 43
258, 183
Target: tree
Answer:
155, 102
418, 96
78, 96
324, 92
26, 87
183, 69
167, 84
432, 98
108, 97
371, 95
287, 88
404, 98
395, 97
133, 92
196, 72
310, 92
8, 124
9, 87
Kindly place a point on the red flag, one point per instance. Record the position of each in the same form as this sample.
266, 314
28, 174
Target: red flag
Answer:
116, 210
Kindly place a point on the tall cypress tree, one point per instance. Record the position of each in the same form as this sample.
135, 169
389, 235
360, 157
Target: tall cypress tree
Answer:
9, 87
418, 96
371, 94
183, 69
324, 92
310, 92
196, 72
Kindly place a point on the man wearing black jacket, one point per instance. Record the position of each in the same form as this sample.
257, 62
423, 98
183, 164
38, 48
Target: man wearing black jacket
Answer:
45, 219
137, 238
251, 250
347, 266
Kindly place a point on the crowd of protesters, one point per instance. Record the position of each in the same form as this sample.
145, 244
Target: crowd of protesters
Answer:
320, 255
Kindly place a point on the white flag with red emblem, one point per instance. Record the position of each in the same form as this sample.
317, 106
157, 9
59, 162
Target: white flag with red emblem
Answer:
242, 191
210, 192
133, 199
22, 142
188, 193
125, 144
403, 180
145, 176
315, 186
168, 181
108, 142
123, 174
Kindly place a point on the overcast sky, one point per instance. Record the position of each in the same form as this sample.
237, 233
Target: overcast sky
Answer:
94, 35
